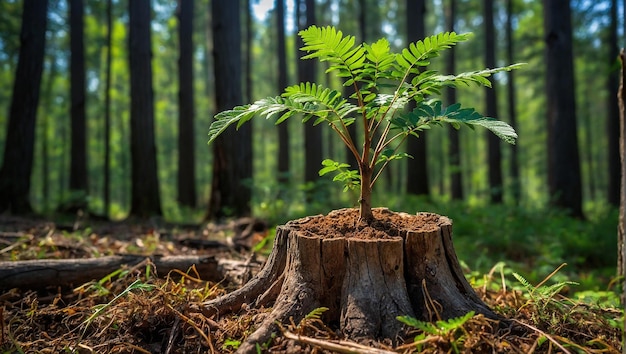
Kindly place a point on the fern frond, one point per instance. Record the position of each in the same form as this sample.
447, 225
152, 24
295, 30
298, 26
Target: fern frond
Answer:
453, 324
524, 282
441, 327
427, 327
328, 44
316, 313
550, 291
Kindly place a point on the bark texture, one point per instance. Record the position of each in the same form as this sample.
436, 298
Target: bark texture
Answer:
232, 154
38, 274
145, 198
613, 131
283, 129
454, 147
399, 264
186, 115
621, 225
17, 162
494, 153
78, 161
564, 181
417, 168
512, 104
307, 72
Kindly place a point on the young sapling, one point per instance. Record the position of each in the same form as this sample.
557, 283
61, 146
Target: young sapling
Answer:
384, 83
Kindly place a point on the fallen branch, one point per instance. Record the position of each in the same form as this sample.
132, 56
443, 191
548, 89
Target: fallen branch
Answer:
37, 274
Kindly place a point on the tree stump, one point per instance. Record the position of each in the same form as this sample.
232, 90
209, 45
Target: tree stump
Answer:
366, 275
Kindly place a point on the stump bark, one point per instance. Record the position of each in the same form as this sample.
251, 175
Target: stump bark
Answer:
366, 275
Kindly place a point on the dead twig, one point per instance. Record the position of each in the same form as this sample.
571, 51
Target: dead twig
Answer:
18, 243
339, 346
545, 335
172, 336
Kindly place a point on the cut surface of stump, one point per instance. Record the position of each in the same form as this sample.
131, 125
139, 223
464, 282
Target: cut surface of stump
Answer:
366, 275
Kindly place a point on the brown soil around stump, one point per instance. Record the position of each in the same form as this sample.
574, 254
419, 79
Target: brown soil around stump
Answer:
366, 275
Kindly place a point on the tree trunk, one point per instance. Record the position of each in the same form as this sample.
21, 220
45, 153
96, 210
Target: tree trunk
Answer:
494, 153
367, 276
249, 44
107, 113
283, 129
512, 104
564, 183
307, 72
232, 154
613, 112
44, 134
456, 177
78, 161
186, 114
417, 168
145, 199
17, 163
621, 226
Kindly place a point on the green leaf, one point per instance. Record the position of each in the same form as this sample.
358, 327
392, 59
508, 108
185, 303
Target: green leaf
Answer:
350, 178
473, 77
432, 112
331, 166
326, 99
328, 44
389, 154
419, 53
224, 119
501, 129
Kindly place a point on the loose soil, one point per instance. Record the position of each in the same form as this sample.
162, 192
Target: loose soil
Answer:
387, 224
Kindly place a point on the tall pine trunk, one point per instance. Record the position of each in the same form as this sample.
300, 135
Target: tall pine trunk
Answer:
307, 72
232, 154
494, 153
512, 104
145, 199
19, 143
613, 112
417, 168
564, 182
107, 113
78, 160
621, 226
186, 114
454, 153
283, 129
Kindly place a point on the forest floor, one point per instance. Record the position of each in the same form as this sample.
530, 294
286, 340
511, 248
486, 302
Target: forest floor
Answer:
136, 309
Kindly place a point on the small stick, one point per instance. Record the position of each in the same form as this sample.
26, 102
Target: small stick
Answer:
340, 346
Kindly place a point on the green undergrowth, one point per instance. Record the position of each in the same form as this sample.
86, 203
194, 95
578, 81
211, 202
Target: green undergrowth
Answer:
532, 241
547, 320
